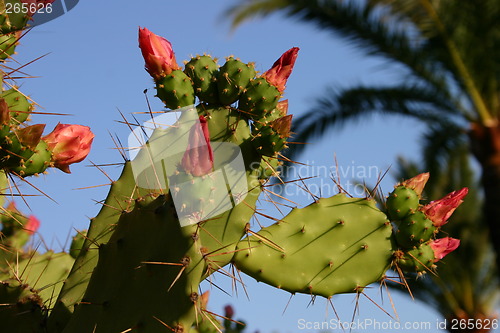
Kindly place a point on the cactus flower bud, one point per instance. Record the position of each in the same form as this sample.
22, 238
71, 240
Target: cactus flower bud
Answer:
228, 311
198, 159
157, 53
282, 68
443, 246
32, 225
417, 183
69, 144
439, 211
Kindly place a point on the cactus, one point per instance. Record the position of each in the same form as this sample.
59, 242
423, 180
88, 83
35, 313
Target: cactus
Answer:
181, 210
342, 235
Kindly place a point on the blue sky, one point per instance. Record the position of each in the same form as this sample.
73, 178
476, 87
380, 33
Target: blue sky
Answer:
94, 68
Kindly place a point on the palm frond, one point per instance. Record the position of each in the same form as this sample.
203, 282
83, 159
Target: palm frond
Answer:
390, 38
243, 12
440, 142
339, 106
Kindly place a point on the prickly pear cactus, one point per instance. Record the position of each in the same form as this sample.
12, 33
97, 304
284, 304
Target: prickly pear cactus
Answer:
182, 207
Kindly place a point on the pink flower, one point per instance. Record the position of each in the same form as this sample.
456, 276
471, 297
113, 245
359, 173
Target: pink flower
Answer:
417, 183
32, 224
157, 53
69, 144
198, 159
439, 211
282, 68
443, 246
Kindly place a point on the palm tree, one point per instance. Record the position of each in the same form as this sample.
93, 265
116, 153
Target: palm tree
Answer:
450, 51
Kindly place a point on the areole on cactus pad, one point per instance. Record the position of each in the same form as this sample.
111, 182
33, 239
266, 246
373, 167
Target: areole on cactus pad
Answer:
138, 267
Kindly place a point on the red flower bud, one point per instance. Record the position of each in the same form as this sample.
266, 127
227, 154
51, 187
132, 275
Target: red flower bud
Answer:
439, 211
281, 70
443, 246
69, 144
198, 159
228, 311
32, 224
157, 53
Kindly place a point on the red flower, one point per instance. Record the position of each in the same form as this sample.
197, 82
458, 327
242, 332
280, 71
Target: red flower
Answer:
443, 246
32, 224
69, 144
282, 68
198, 159
157, 53
417, 183
439, 211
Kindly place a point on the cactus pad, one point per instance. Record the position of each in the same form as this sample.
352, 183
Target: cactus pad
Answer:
329, 240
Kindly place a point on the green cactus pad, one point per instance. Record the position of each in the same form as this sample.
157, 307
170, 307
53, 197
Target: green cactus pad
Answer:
77, 243
7, 45
420, 259
401, 202
15, 20
143, 258
414, 230
269, 117
225, 125
234, 77
14, 236
319, 249
260, 99
175, 90
46, 273
18, 104
269, 167
203, 70
195, 192
37, 163
13, 152
22, 310
267, 141
120, 198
